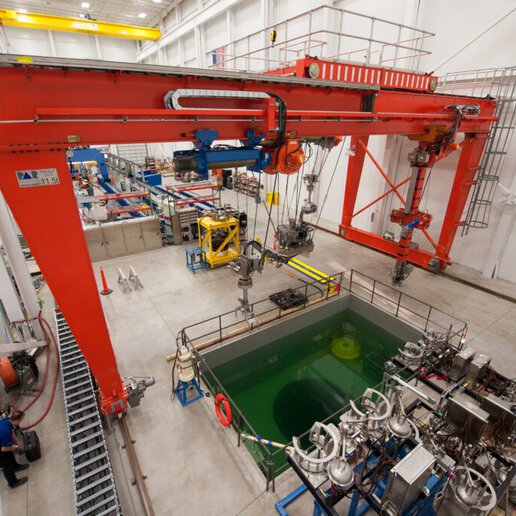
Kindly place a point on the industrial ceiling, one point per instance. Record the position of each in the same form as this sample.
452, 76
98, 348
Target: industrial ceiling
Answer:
146, 13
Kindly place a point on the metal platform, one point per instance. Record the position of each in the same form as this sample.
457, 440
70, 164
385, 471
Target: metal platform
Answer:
94, 484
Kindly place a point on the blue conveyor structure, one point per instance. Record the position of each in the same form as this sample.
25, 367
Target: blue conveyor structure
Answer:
90, 155
110, 189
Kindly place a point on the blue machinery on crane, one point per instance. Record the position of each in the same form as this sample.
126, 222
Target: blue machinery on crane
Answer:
205, 157
82, 157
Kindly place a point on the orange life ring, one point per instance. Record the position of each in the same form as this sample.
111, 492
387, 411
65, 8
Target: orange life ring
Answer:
225, 416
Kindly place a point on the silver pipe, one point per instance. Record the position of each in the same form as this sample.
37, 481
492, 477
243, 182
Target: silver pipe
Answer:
415, 390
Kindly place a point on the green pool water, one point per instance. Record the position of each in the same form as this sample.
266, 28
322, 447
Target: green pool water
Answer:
287, 384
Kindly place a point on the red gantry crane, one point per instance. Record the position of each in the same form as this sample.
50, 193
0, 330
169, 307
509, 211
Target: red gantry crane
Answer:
49, 105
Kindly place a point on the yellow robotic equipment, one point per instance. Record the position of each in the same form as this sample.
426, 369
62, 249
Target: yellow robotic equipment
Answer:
218, 238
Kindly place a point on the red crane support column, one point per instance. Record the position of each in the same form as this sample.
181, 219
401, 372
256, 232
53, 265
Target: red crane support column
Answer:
471, 154
38, 189
354, 173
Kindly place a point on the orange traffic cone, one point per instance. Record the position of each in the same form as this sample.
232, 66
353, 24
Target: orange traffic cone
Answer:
105, 290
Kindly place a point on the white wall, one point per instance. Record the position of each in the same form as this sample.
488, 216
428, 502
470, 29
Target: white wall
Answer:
458, 22
68, 44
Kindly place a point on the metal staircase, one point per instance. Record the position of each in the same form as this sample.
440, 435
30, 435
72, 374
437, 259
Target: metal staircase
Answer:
94, 484
499, 83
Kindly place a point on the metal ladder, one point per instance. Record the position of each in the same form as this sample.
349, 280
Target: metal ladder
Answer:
94, 484
499, 83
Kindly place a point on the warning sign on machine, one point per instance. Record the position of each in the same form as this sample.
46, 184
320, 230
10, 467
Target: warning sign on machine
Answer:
40, 177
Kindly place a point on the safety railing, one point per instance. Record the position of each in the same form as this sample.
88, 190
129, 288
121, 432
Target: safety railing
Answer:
495, 82
406, 307
499, 83
277, 455
327, 32
403, 306
260, 453
231, 323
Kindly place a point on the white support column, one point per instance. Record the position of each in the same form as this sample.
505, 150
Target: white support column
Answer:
8, 295
52, 43
200, 46
4, 41
229, 47
265, 35
180, 52
162, 57
98, 47
503, 233
18, 264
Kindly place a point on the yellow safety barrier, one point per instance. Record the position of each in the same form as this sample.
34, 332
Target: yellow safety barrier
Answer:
313, 273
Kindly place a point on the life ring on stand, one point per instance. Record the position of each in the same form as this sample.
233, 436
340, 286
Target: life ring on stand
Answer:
223, 410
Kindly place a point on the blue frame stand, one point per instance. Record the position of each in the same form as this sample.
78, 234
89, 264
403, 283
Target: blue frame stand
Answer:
182, 392
195, 259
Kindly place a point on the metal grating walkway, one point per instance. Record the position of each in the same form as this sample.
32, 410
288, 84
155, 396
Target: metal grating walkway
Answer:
94, 484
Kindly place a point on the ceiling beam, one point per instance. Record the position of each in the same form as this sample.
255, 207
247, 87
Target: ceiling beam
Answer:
77, 25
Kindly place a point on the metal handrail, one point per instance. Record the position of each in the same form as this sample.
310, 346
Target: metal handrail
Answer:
459, 332
336, 283
347, 281
308, 38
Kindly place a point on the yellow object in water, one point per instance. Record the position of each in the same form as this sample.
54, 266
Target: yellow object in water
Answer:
345, 348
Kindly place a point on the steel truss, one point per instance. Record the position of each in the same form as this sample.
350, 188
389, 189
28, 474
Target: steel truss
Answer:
51, 105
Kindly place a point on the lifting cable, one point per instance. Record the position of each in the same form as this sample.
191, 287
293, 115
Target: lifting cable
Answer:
286, 199
299, 189
329, 185
269, 214
257, 203
292, 196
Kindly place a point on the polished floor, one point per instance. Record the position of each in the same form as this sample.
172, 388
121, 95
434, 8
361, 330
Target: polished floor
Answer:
192, 464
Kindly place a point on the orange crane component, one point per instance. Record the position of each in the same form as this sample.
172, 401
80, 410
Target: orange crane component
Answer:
51, 105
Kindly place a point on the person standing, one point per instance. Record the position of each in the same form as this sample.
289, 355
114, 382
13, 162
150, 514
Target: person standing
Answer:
9, 443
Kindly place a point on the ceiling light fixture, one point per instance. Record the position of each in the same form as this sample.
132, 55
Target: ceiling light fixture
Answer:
85, 5
157, 1
142, 15
22, 10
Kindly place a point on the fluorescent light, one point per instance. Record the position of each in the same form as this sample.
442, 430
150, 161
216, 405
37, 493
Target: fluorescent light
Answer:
157, 1
142, 15
85, 5
22, 10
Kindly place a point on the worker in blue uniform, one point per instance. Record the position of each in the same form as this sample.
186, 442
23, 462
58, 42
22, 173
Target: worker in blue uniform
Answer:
9, 443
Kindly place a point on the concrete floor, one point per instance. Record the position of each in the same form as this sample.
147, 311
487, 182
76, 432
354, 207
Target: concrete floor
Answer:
192, 463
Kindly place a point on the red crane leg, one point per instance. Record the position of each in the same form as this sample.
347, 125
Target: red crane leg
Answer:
355, 166
471, 154
49, 220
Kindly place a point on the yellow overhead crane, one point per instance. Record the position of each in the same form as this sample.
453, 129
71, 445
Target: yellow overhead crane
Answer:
78, 25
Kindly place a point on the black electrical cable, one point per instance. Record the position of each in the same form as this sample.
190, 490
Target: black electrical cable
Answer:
282, 120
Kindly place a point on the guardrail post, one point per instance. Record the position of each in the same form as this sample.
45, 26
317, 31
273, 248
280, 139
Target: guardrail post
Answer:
351, 280
270, 474
372, 292
428, 318
399, 303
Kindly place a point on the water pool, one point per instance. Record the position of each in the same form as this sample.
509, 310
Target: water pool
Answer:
286, 376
